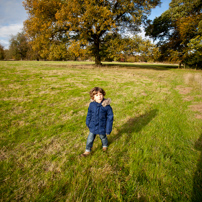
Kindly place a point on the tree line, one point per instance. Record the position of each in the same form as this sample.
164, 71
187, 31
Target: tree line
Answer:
106, 30
133, 49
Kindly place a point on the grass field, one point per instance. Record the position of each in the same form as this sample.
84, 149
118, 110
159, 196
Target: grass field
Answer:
155, 148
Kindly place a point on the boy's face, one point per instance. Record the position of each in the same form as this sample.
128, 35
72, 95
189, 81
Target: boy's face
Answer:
98, 97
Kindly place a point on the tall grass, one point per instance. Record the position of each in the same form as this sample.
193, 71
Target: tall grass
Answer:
154, 149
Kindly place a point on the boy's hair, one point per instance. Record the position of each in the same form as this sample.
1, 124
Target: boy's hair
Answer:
95, 90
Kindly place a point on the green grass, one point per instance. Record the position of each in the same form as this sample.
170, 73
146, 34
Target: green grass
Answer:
154, 149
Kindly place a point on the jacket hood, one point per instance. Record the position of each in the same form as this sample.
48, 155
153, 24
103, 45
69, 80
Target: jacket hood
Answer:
105, 102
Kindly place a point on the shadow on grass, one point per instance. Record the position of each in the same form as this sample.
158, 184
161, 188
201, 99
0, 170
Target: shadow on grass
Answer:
125, 135
148, 66
135, 124
197, 181
142, 66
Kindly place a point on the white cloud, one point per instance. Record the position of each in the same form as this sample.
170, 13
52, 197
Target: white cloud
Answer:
12, 15
142, 34
7, 31
4, 43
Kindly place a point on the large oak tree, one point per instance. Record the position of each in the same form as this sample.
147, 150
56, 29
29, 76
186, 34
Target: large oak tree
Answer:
87, 22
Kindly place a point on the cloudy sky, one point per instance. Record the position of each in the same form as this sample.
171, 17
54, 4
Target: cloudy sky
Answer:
12, 15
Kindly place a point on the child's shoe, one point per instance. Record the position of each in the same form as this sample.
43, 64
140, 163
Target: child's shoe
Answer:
85, 154
104, 149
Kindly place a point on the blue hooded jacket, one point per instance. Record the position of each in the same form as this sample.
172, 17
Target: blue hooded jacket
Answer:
100, 117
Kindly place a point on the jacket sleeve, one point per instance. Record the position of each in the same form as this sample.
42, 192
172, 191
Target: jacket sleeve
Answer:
89, 115
110, 118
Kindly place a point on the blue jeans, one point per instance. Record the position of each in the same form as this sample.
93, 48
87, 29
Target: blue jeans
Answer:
91, 138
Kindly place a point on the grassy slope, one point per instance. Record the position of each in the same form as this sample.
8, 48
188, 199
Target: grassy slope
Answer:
155, 147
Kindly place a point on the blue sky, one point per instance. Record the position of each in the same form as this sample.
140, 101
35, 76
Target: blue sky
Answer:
12, 15
159, 9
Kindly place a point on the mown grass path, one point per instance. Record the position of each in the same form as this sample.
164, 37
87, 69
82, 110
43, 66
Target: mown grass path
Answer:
154, 149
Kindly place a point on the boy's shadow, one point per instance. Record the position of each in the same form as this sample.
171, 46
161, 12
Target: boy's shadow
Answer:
197, 180
135, 124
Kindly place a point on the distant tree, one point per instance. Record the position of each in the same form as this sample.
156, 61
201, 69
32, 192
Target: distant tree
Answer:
7, 54
179, 31
137, 46
19, 46
117, 47
2, 52
148, 51
86, 22
112, 47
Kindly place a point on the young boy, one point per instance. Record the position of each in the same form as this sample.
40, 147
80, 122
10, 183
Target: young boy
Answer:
99, 119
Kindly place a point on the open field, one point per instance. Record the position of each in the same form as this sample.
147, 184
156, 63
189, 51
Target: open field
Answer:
155, 150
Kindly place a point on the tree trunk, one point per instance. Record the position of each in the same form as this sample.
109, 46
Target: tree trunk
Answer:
180, 65
97, 51
98, 60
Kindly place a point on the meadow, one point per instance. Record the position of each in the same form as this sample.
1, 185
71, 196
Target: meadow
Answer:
155, 148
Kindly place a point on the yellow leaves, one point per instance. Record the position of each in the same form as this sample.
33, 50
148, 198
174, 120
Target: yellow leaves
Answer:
57, 52
89, 14
188, 25
98, 15
195, 45
75, 49
173, 55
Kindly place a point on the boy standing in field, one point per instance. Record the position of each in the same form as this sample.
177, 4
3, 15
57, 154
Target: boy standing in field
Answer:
99, 119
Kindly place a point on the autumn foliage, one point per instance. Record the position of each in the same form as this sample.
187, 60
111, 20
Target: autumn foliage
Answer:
179, 31
46, 36
81, 25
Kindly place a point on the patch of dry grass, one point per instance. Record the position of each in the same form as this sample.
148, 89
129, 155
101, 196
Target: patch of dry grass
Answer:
197, 108
193, 79
184, 90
